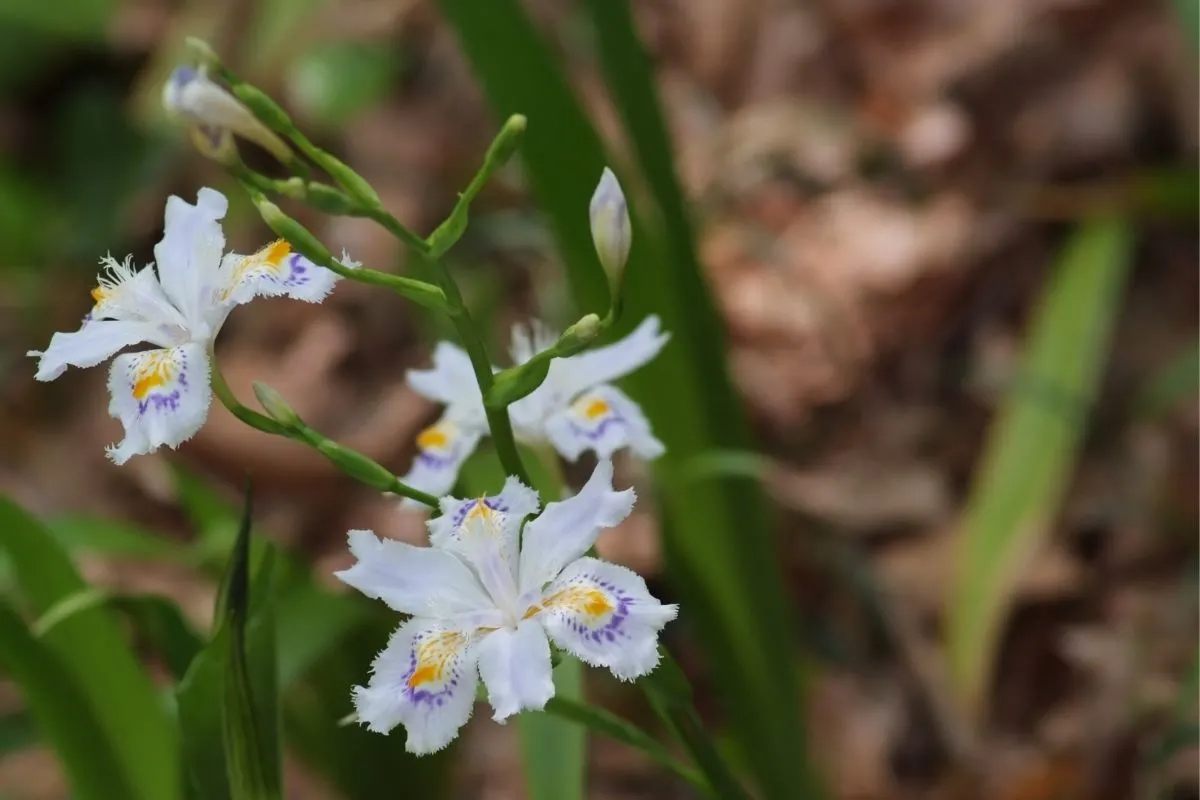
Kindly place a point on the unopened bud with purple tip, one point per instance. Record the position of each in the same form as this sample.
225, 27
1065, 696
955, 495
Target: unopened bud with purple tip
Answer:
192, 96
611, 232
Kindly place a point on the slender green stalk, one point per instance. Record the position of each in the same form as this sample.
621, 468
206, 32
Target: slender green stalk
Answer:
604, 722
288, 425
670, 696
498, 421
229, 400
311, 248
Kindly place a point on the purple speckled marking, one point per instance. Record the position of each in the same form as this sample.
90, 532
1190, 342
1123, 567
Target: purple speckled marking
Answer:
611, 629
424, 696
432, 459
595, 434
298, 273
167, 402
494, 503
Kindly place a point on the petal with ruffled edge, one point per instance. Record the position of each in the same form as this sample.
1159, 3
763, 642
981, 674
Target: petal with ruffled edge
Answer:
160, 396
450, 381
441, 450
93, 343
566, 529
603, 420
486, 532
612, 362
189, 255
423, 581
273, 271
604, 615
515, 668
128, 294
425, 680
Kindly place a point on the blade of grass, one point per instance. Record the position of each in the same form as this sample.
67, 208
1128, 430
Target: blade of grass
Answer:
93, 650
228, 701
17, 731
554, 750
1176, 381
1031, 448
62, 713
600, 720
717, 540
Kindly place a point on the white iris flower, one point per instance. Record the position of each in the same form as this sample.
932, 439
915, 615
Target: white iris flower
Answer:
161, 396
576, 409
486, 601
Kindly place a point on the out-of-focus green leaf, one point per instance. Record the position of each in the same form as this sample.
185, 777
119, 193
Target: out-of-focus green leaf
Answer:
336, 80
63, 713
718, 537
113, 538
157, 620
228, 700
312, 622
94, 652
24, 207
161, 623
554, 751
84, 20
1167, 192
602, 721
1031, 448
93, 191
1188, 12
17, 731
1177, 381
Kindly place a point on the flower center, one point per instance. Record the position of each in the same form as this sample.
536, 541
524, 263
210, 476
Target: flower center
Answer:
156, 371
581, 599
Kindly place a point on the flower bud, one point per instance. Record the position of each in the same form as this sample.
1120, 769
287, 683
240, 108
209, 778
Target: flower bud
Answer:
215, 143
505, 144
275, 406
610, 227
287, 228
203, 52
191, 95
577, 337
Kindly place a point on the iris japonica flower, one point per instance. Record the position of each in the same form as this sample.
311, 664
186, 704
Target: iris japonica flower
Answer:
192, 96
576, 409
486, 602
179, 304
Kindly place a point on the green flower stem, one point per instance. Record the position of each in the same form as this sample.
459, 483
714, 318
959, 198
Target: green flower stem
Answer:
358, 466
367, 204
503, 438
498, 153
310, 247
512, 384
353, 463
604, 722
669, 694
250, 417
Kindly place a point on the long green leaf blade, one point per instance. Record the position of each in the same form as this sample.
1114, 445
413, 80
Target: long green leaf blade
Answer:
555, 753
718, 537
93, 650
1032, 447
62, 712
252, 745
228, 701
